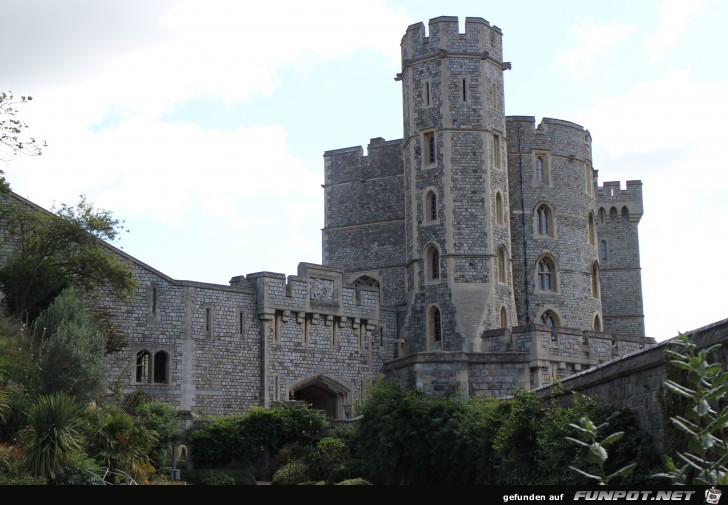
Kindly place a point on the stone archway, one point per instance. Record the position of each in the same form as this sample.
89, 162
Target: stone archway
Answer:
324, 393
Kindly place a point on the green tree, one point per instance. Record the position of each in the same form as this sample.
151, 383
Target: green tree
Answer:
71, 349
162, 419
412, 438
52, 436
58, 250
13, 138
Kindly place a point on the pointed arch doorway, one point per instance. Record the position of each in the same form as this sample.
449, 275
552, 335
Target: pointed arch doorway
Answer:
324, 393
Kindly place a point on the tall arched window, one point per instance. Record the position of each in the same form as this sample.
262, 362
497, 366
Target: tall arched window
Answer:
546, 273
429, 155
597, 326
595, 280
602, 215
503, 318
161, 359
499, 208
431, 207
590, 229
625, 215
435, 325
544, 221
143, 366
432, 265
502, 264
613, 215
603, 250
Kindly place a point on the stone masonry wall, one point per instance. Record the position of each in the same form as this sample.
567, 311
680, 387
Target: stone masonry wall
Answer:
618, 214
636, 380
569, 196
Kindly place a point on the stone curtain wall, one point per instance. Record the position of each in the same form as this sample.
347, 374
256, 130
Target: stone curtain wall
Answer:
636, 381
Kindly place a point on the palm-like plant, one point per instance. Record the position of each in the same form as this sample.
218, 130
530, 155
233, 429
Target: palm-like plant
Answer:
117, 441
52, 435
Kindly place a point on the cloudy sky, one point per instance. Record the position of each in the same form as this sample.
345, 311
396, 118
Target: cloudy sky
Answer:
202, 124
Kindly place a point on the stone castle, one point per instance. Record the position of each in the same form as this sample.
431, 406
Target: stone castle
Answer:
476, 254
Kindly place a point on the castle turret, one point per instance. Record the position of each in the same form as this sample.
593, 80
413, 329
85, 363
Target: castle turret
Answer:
618, 214
456, 185
555, 264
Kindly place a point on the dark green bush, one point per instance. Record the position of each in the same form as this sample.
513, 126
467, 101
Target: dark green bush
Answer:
219, 477
325, 456
236, 440
408, 437
349, 469
354, 482
291, 474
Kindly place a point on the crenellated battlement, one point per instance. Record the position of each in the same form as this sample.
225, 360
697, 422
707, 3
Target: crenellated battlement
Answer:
444, 37
351, 165
610, 194
527, 124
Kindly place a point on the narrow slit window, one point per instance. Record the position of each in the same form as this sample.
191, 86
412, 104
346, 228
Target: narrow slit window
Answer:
435, 264
465, 87
496, 151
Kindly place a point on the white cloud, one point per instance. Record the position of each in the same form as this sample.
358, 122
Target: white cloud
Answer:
671, 112
666, 132
675, 16
590, 41
167, 169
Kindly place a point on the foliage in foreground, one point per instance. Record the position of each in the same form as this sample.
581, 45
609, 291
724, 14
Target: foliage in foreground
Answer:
53, 435
703, 422
452, 441
235, 441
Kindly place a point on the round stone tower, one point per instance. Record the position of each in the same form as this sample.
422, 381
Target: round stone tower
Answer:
553, 221
459, 276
